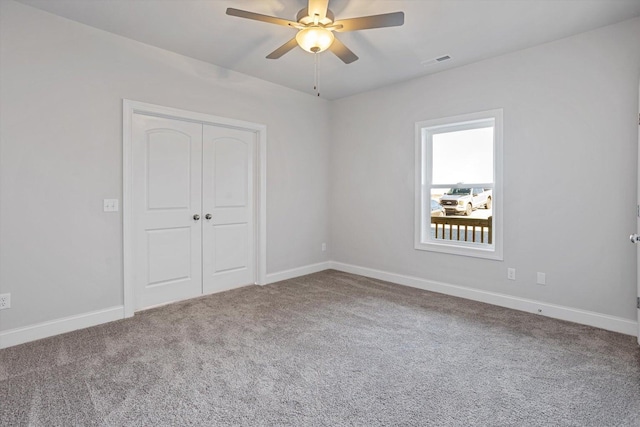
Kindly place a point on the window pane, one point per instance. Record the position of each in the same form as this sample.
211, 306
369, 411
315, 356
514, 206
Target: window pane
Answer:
463, 156
450, 221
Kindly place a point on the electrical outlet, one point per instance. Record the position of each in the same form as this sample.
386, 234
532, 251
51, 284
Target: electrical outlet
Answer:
324, 247
511, 273
110, 205
5, 301
542, 278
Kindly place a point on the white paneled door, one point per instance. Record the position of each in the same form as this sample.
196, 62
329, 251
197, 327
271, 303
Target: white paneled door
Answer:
228, 205
193, 209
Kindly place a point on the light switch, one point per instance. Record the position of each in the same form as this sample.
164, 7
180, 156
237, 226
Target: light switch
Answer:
111, 205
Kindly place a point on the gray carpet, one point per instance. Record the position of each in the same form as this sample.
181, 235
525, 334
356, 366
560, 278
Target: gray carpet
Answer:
328, 349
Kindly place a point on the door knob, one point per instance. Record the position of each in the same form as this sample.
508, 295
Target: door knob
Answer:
196, 217
635, 238
208, 216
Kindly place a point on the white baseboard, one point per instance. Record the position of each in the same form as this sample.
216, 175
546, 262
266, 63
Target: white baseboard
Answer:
612, 323
297, 272
59, 326
584, 317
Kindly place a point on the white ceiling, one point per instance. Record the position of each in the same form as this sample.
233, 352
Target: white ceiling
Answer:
467, 30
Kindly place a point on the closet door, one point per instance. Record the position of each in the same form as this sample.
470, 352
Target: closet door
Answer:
167, 188
228, 187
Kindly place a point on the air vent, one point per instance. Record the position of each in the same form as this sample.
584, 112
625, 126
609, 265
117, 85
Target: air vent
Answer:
437, 60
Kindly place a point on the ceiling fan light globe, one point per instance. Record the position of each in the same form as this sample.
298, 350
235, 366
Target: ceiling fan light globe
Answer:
315, 39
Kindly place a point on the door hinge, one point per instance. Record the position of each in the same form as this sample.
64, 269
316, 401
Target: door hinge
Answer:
638, 304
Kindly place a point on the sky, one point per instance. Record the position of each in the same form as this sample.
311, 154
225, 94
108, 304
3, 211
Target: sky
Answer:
463, 157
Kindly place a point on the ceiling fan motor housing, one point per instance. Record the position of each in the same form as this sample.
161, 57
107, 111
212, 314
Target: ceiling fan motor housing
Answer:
304, 18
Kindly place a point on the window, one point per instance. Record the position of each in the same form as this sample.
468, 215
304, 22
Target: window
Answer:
458, 189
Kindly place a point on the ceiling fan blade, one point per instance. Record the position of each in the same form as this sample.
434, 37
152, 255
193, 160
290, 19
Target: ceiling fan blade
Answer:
394, 19
342, 52
318, 7
258, 17
283, 49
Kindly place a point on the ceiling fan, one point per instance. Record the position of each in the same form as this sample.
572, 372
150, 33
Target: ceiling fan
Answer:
316, 24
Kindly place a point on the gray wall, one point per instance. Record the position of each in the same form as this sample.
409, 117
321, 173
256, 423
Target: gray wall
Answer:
570, 149
61, 91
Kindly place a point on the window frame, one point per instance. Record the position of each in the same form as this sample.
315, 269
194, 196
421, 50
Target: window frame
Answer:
423, 185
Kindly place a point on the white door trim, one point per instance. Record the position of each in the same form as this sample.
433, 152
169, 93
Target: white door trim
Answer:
638, 225
128, 109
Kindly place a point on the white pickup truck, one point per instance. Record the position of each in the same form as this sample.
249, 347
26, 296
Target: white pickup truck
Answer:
466, 200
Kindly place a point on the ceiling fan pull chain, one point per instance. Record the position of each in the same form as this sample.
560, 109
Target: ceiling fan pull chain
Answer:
316, 79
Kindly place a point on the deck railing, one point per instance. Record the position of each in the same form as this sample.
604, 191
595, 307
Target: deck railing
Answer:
463, 229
